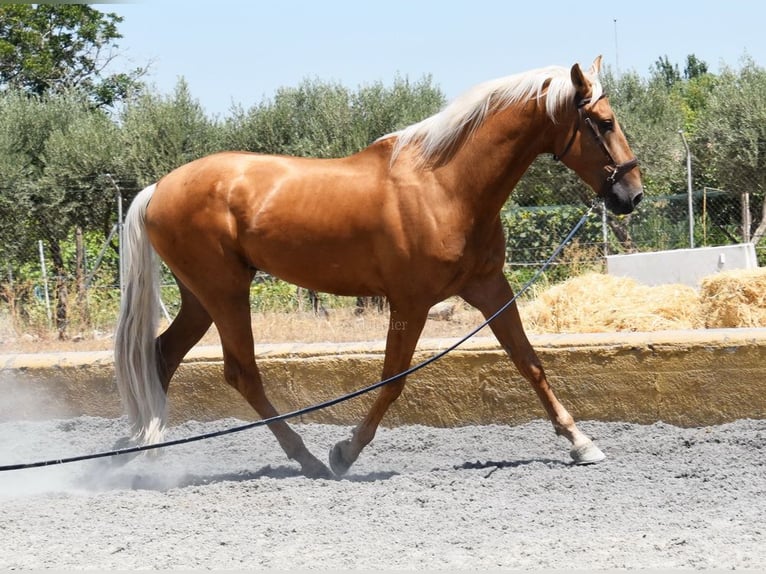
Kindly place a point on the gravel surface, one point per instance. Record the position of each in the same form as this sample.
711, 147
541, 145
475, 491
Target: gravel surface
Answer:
477, 497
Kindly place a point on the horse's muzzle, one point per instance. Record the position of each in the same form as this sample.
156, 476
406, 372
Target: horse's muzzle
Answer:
621, 200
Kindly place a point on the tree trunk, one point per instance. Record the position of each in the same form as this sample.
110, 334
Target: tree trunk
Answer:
62, 292
8, 294
82, 295
760, 231
620, 230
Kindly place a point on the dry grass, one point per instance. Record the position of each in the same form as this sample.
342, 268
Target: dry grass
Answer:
595, 302
735, 299
341, 325
592, 302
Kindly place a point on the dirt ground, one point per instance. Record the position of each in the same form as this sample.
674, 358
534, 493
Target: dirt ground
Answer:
479, 498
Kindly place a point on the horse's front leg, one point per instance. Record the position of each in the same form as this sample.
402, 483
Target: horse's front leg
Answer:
488, 295
404, 330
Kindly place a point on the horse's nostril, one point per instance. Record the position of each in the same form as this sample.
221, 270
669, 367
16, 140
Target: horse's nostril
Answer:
637, 198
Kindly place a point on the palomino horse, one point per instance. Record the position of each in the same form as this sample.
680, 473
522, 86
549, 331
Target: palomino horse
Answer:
413, 217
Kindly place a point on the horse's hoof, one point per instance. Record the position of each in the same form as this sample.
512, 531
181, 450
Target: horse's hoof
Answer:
124, 442
121, 444
316, 469
338, 461
587, 453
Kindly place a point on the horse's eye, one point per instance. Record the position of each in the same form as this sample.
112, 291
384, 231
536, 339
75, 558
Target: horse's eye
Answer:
606, 125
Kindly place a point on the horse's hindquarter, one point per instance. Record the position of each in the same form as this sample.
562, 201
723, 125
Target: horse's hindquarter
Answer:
303, 220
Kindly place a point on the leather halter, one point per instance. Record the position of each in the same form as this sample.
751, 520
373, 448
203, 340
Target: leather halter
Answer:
617, 170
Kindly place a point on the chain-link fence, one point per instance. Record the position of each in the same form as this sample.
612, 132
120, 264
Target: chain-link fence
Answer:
718, 217
659, 223
81, 290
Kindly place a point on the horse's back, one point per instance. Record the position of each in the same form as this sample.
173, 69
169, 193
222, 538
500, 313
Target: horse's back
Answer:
245, 180
291, 217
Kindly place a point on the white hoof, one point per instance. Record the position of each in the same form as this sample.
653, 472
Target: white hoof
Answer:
586, 453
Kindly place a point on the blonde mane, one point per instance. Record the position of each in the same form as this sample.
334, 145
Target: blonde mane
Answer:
441, 133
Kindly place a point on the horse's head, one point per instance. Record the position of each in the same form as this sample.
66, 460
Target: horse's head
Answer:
596, 148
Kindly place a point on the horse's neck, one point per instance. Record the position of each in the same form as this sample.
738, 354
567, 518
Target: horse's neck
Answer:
492, 161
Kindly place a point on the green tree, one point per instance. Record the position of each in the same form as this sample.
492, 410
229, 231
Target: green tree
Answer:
16, 167
695, 67
313, 119
666, 72
159, 133
378, 109
56, 148
51, 48
730, 143
55, 144
651, 117
321, 119
80, 159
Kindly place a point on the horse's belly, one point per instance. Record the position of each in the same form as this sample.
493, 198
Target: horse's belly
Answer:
338, 269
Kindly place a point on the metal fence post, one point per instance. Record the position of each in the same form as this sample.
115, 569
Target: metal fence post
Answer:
689, 188
120, 264
45, 281
746, 221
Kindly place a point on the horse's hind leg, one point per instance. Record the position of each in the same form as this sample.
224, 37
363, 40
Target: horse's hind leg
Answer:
230, 310
188, 327
488, 296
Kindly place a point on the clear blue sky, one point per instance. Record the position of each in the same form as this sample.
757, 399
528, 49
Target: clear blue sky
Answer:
242, 51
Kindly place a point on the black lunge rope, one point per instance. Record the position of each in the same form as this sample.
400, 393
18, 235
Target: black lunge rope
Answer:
322, 405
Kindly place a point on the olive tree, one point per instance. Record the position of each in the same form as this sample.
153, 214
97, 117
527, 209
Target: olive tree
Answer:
327, 119
730, 142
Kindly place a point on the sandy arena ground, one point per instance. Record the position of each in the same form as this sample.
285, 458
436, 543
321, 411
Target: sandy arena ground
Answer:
494, 497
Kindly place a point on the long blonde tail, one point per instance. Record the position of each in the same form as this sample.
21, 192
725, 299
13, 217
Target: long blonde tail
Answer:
135, 355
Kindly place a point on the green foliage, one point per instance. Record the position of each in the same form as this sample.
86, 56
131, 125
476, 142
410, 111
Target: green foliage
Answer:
534, 232
650, 115
730, 143
662, 223
159, 133
378, 110
78, 159
63, 159
56, 149
53, 148
547, 182
51, 48
666, 73
695, 68
273, 295
93, 300
319, 119
313, 119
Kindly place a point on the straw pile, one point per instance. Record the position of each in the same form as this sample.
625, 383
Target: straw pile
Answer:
595, 302
734, 299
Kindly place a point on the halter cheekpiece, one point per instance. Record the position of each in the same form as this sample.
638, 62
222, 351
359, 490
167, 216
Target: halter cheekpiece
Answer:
618, 170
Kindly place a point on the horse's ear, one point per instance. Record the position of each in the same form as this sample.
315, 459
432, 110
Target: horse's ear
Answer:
581, 83
595, 67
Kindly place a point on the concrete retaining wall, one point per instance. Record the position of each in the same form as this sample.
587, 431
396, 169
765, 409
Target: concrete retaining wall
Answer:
685, 378
682, 266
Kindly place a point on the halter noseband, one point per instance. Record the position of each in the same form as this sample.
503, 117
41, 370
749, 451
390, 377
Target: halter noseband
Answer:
618, 170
